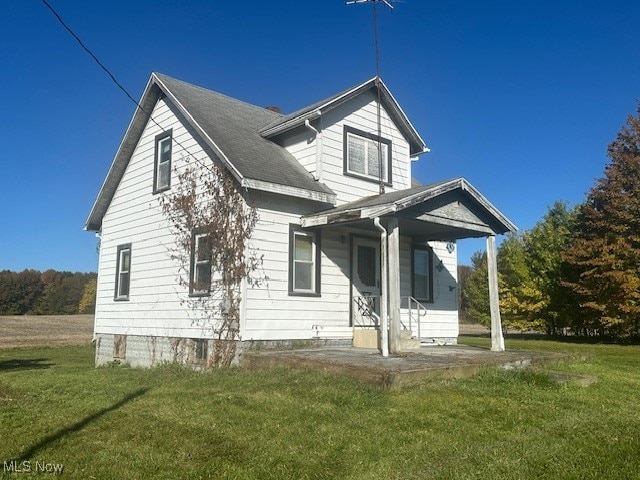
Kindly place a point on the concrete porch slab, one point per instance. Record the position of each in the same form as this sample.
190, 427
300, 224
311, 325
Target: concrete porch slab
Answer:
411, 368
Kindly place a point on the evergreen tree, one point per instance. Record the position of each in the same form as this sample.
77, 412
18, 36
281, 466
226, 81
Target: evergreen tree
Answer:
605, 253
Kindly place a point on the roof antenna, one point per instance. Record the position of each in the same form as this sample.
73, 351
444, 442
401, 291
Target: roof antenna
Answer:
388, 3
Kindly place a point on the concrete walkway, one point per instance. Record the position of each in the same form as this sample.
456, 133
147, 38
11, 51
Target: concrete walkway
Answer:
411, 368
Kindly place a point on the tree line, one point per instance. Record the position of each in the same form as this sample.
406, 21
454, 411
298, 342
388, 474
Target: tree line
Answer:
576, 271
47, 293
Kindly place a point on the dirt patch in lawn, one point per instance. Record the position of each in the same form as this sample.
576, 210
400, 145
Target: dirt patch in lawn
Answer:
45, 330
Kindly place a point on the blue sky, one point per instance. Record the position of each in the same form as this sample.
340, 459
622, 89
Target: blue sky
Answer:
521, 98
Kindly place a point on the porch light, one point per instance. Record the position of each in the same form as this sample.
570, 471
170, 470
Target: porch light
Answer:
451, 246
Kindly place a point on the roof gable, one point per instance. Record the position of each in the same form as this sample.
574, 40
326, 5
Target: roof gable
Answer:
455, 204
231, 125
230, 128
297, 118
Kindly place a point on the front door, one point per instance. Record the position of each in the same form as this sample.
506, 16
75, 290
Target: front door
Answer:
365, 282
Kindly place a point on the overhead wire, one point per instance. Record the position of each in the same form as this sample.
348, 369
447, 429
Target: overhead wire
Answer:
118, 84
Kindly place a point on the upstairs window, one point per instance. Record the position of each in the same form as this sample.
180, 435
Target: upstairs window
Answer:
200, 281
365, 154
123, 272
422, 273
304, 262
162, 164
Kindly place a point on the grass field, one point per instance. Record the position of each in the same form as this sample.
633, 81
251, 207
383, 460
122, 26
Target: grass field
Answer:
45, 330
57, 409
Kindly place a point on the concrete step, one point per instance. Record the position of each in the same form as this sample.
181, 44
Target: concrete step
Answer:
408, 342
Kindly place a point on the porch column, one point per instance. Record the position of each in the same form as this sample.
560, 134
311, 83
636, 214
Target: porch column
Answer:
394, 285
497, 340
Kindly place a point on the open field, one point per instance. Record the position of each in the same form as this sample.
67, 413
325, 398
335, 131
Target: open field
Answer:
43, 330
57, 409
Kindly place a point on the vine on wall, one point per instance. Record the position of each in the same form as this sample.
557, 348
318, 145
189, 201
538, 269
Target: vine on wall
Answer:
209, 202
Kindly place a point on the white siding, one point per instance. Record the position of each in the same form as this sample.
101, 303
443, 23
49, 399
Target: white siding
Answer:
156, 301
442, 316
301, 143
134, 216
360, 113
270, 312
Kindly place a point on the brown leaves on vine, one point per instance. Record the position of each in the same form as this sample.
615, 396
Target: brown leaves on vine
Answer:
210, 201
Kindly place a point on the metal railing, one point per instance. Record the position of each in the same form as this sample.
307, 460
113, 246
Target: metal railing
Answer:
417, 313
364, 311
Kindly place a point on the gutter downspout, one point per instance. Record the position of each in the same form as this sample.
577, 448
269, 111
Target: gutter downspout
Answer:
318, 172
384, 317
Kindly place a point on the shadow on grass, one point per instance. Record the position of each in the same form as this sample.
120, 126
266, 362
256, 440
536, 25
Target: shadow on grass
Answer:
24, 364
63, 432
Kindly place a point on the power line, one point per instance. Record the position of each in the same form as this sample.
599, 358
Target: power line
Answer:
118, 84
86, 49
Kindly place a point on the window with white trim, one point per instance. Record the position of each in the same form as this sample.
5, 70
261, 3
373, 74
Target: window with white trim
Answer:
304, 262
162, 163
365, 154
200, 281
422, 273
123, 272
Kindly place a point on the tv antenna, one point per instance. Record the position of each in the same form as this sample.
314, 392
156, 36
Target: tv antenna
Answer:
388, 3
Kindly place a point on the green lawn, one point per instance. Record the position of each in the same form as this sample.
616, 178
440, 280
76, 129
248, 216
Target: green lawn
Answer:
56, 408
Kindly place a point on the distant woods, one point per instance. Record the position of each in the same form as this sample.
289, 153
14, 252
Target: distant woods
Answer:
576, 271
47, 293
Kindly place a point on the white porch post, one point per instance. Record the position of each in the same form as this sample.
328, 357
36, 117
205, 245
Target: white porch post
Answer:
384, 301
394, 285
497, 340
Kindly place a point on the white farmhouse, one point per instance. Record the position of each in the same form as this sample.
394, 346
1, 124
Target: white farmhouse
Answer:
343, 264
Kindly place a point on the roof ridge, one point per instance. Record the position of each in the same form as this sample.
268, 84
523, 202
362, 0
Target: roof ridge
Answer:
159, 75
316, 105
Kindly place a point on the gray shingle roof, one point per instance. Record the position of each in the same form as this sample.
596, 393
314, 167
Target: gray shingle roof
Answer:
231, 128
233, 125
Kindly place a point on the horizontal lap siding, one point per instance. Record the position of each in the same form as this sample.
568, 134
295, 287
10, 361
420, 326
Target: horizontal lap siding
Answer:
270, 312
302, 145
359, 113
442, 315
134, 216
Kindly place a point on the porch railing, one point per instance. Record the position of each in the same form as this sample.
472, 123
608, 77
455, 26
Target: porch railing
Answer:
364, 314
417, 314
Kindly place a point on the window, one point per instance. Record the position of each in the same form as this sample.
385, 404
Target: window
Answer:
162, 164
201, 349
422, 273
123, 272
304, 262
200, 281
362, 158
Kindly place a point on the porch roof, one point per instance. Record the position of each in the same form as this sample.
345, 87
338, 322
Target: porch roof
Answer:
447, 210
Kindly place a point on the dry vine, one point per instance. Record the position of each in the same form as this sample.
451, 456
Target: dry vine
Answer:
209, 202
